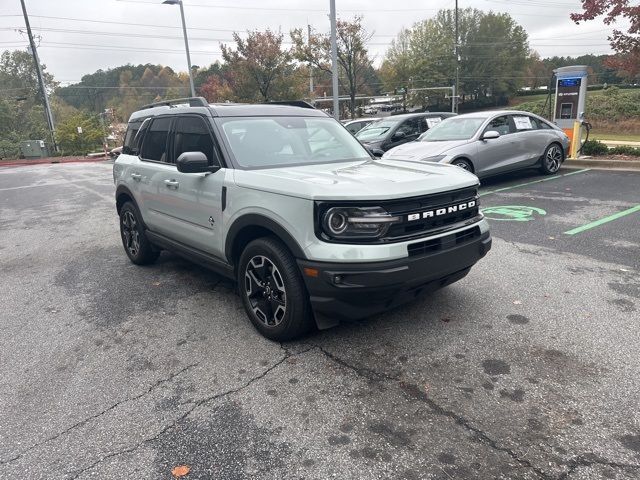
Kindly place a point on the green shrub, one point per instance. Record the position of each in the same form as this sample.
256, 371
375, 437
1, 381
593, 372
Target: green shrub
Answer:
625, 150
594, 147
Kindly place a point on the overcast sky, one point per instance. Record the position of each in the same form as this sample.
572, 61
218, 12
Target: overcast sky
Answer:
77, 37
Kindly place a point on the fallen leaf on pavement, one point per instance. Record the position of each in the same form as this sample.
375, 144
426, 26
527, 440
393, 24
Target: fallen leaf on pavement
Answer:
180, 471
517, 302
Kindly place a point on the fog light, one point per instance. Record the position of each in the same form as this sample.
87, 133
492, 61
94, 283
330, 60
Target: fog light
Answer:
337, 279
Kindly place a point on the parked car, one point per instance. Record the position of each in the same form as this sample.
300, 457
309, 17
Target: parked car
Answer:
370, 110
489, 143
354, 126
287, 203
115, 152
398, 129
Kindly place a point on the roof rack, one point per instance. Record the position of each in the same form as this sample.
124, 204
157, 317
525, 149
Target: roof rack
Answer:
293, 103
192, 101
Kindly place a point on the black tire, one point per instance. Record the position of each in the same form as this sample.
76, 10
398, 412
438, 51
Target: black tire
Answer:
464, 164
134, 240
552, 159
273, 291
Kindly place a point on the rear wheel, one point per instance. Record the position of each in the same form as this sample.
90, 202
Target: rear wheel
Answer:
464, 164
272, 290
552, 159
134, 240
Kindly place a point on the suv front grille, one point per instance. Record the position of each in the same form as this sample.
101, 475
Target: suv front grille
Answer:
443, 243
421, 215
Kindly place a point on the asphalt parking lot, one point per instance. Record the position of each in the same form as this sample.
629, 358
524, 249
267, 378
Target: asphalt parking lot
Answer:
528, 368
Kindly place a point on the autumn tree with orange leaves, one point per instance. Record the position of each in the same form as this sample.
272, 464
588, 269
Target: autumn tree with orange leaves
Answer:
626, 44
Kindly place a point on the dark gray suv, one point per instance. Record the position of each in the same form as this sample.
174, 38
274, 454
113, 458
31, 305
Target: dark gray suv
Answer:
392, 131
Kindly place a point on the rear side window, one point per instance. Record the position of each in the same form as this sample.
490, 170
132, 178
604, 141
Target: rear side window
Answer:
192, 135
129, 144
154, 146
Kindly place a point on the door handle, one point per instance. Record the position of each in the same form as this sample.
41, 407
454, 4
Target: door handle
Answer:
172, 183
136, 176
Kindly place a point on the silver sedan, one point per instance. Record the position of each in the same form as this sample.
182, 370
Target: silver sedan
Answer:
490, 143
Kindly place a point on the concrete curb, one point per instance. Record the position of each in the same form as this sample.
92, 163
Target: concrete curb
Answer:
603, 164
49, 161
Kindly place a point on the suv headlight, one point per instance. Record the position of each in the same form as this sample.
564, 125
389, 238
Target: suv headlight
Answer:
342, 223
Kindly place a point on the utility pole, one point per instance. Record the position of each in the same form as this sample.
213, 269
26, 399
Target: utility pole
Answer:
457, 53
310, 67
45, 97
334, 59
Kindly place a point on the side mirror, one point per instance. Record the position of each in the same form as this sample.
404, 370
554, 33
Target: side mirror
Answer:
194, 162
490, 135
399, 135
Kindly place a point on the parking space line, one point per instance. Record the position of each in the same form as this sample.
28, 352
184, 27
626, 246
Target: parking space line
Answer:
511, 187
597, 223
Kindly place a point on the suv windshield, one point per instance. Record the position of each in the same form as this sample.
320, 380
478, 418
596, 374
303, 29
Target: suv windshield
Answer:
457, 128
266, 142
376, 130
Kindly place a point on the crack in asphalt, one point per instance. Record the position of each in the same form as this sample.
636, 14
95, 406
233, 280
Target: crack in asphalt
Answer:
77, 473
586, 462
415, 392
97, 415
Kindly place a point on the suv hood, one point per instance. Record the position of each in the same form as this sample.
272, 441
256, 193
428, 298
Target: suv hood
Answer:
420, 150
362, 180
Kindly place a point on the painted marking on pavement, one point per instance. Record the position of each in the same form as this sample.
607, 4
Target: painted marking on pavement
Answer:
512, 213
533, 182
604, 220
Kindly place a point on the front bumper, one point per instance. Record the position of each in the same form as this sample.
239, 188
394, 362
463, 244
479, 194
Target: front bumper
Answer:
351, 291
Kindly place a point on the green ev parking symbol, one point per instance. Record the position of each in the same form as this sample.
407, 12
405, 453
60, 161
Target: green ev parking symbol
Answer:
512, 213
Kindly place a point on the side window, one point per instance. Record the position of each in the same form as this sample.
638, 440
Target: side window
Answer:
132, 129
523, 123
535, 123
154, 145
192, 135
500, 125
410, 127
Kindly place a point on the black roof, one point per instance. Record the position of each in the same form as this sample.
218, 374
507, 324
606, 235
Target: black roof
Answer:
259, 110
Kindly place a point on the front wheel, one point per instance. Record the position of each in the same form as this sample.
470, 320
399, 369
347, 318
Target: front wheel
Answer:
134, 239
552, 159
464, 164
272, 290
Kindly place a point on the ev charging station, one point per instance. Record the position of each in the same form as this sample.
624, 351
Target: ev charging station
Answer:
571, 96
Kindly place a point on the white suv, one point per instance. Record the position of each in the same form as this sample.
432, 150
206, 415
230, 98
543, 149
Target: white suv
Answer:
286, 202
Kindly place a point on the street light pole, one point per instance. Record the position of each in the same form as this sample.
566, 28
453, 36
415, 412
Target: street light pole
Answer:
45, 97
186, 41
334, 59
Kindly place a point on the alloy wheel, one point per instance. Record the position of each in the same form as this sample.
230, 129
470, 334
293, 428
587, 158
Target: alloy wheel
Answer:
130, 233
264, 287
553, 159
463, 165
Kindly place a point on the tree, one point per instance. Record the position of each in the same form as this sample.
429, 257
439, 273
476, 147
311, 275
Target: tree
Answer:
216, 89
626, 45
353, 57
260, 65
493, 53
75, 143
21, 110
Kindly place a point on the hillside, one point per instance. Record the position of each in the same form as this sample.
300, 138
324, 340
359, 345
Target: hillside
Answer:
609, 111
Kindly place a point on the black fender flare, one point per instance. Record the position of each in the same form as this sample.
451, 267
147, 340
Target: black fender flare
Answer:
123, 189
257, 220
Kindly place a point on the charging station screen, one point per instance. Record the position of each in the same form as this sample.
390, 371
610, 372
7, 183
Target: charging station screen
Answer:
569, 82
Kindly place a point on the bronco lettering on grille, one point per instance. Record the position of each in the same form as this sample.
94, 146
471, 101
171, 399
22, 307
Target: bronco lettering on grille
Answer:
441, 211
